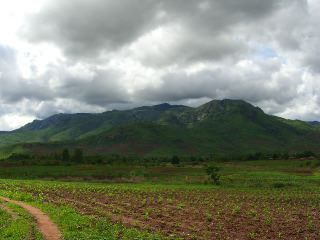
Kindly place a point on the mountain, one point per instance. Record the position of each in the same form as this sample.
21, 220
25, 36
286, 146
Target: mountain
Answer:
218, 127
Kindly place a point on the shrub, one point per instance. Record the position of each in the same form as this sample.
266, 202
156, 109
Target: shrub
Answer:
65, 155
213, 173
78, 155
278, 185
175, 160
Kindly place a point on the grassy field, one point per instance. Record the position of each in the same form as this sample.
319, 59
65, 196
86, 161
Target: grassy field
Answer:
16, 224
255, 200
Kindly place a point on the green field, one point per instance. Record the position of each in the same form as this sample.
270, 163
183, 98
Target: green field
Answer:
255, 200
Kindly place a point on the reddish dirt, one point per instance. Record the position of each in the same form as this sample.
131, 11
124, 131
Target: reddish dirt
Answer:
201, 215
48, 229
197, 214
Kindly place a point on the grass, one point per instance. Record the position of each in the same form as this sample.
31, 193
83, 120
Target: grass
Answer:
256, 199
23, 227
243, 173
77, 226
72, 224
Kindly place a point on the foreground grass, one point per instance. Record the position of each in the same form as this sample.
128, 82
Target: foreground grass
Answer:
95, 210
76, 226
257, 200
73, 225
17, 226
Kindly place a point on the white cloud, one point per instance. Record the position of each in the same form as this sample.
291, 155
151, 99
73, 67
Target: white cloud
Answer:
94, 55
14, 121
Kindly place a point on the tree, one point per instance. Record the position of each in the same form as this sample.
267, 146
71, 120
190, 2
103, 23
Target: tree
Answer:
78, 155
318, 163
213, 173
57, 156
65, 155
175, 160
285, 156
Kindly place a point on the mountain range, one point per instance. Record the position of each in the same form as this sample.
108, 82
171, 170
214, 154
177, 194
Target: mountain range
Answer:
217, 127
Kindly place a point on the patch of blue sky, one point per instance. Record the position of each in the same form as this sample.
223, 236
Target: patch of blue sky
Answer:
265, 53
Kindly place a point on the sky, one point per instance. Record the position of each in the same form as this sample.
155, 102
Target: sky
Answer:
60, 56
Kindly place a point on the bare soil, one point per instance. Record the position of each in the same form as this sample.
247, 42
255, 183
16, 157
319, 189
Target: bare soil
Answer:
202, 215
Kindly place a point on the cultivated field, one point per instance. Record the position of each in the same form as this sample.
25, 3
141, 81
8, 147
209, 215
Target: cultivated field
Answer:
256, 200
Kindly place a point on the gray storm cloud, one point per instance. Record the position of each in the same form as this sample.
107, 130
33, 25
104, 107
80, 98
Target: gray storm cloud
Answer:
130, 52
85, 28
14, 87
254, 86
89, 28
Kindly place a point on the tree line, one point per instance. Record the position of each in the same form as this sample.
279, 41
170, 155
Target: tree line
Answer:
77, 156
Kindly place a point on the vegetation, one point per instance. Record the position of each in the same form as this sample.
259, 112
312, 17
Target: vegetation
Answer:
175, 160
225, 170
223, 128
16, 224
254, 200
65, 155
213, 173
78, 155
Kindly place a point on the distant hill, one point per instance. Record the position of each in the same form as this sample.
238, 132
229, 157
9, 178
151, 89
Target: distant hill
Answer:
314, 123
217, 127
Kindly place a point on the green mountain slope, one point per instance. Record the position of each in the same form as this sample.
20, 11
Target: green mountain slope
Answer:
71, 127
222, 127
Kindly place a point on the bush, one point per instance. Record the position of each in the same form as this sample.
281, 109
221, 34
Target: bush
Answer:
278, 185
65, 155
78, 155
213, 173
175, 160
19, 157
305, 154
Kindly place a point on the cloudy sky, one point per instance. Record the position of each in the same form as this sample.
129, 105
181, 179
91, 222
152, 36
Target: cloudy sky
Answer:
96, 55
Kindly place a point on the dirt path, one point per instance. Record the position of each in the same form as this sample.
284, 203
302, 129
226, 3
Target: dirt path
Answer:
48, 229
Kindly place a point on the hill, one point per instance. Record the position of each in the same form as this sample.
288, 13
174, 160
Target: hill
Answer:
217, 127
